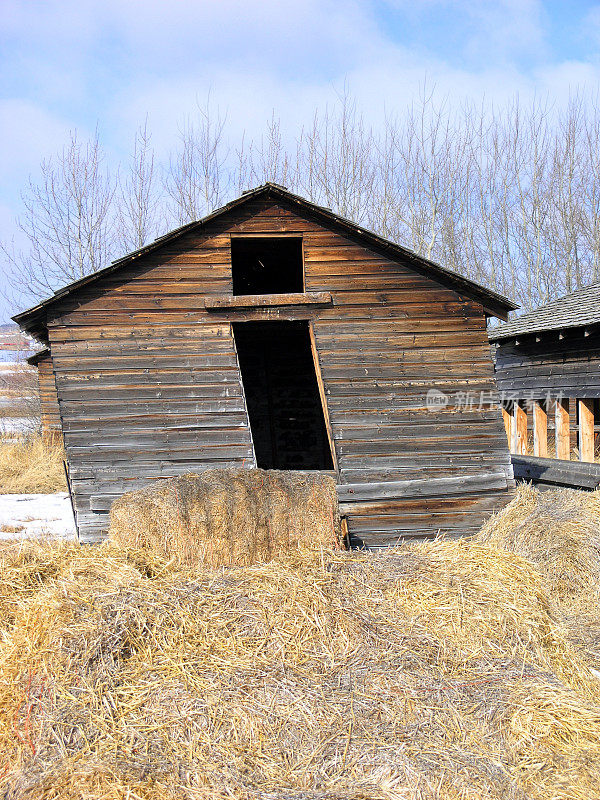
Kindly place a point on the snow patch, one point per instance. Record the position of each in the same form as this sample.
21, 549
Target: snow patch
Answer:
26, 515
16, 424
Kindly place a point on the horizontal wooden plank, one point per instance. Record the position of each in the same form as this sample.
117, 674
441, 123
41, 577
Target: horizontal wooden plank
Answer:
102, 429
165, 391
451, 443
114, 453
575, 474
146, 468
151, 377
233, 302
82, 410
410, 434
131, 365
434, 487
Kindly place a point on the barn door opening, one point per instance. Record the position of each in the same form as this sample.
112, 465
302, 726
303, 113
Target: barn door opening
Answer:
282, 395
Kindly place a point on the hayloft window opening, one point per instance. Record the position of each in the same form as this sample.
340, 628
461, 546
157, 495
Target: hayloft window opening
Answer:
266, 265
282, 395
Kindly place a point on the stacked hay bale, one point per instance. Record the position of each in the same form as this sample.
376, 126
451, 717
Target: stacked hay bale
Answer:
225, 517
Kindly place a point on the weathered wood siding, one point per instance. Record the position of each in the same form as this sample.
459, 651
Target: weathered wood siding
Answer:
552, 366
149, 386
50, 413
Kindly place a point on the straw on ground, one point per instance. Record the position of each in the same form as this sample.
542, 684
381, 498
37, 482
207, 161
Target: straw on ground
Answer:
438, 670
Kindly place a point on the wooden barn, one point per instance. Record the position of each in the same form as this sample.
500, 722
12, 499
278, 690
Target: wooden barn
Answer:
548, 376
274, 333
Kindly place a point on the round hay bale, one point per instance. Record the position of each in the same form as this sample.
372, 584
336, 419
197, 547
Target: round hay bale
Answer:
225, 517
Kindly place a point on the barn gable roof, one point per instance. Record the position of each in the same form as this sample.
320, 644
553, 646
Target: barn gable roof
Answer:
577, 309
34, 319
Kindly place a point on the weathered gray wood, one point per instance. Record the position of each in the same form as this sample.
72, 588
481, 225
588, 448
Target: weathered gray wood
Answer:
551, 366
432, 487
575, 474
149, 386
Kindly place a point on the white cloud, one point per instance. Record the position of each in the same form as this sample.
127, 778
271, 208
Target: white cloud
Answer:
483, 30
160, 37
119, 60
385, 83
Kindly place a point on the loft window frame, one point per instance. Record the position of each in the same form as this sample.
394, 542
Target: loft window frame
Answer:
269, 235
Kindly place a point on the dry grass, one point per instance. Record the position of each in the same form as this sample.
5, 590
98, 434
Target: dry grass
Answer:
225, 517
30, 466
437, 670
11, 528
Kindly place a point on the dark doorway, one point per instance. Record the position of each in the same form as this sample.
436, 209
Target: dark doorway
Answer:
282, 395
267, 265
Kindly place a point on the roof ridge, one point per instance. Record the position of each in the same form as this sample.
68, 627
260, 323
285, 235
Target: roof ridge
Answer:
34, 318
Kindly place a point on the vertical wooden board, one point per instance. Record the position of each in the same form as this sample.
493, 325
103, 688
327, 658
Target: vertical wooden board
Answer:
323, 397
540, 429
562, 429
586, 429
520, 419
573, 426
506, 419
230, 329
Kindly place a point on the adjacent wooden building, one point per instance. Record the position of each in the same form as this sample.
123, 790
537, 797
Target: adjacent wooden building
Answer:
49, 411
274, 333
548, 376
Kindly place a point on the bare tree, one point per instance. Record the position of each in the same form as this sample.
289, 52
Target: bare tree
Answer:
591, 188
509, 197
269, 160
67, 220
138, 203
335, 164
197, 179
431, 175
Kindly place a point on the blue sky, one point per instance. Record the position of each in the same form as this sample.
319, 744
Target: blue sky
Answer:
74, 64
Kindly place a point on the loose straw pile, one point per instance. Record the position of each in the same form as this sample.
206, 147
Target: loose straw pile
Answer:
442, 669
559, 531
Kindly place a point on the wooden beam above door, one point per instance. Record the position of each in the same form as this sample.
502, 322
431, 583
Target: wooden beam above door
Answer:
245, 301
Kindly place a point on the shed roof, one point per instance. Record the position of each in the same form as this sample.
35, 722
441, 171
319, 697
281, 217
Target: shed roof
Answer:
34, 320
577, 309
35, 359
